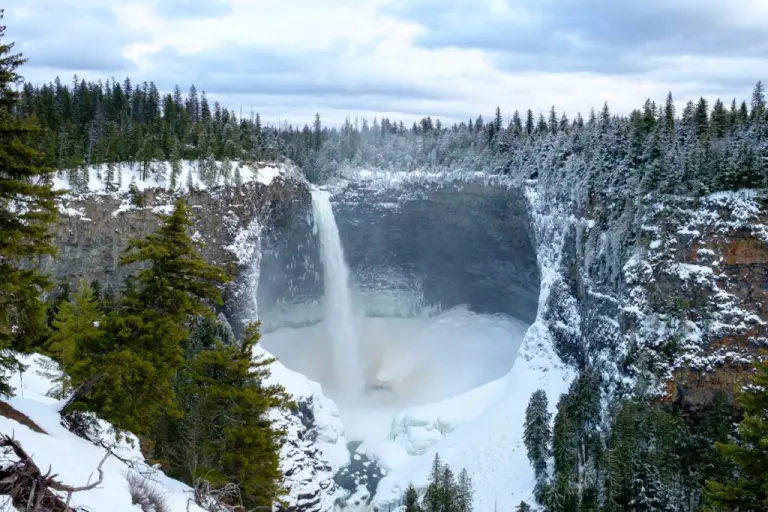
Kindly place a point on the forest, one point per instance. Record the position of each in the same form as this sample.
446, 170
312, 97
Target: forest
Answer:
700, 150
156, 360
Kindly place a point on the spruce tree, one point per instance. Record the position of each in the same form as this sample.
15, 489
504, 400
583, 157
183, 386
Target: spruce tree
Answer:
523, 507
748, 491
537, 435
464, 492
412, 499
126, 376
27, 209
433, 497
447, 490
78, 322
647, 491
243, 447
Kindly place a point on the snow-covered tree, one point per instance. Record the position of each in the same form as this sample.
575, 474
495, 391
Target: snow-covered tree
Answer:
537, 435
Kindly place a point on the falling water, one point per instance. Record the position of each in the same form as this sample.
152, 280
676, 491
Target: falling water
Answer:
337, 302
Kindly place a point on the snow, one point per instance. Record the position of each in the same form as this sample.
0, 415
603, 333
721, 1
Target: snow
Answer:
331, 435
128, 175
469, 409
74, 459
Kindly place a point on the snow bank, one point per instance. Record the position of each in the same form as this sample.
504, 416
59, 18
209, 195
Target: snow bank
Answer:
74, 459
126, 174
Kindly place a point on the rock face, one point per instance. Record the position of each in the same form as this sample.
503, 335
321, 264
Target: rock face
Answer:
94, 230
232, 224
667, 295
671, 295
455, 244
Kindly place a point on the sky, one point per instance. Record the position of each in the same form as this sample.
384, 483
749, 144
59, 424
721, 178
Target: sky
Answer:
403, 59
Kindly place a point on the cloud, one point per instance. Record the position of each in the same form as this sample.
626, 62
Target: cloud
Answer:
191, 8
68, 37
245, 70
451, 59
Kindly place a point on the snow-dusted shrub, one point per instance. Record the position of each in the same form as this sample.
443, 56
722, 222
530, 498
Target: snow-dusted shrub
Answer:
146, 494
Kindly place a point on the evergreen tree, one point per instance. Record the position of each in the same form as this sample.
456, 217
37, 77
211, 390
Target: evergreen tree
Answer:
433, 497
127, 374
523, 507
464, 492
648, 493
748, 491
243, 447
669, 114
77, 322
758, 102
537, 433
27, 209
176, 164
412, 499
447, 490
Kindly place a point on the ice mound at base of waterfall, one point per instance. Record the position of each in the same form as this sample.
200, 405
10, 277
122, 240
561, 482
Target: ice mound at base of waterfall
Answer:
440, 384
481, 430
406, 361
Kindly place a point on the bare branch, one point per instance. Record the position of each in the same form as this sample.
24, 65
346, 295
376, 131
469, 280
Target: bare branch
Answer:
28, 487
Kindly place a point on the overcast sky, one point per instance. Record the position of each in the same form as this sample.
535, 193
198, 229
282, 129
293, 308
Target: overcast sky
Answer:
405, 59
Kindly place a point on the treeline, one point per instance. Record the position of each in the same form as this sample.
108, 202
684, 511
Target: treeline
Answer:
701, 149
155, 361
638, 456
446, 492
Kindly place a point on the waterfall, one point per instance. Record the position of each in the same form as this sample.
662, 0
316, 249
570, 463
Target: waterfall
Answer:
337, 301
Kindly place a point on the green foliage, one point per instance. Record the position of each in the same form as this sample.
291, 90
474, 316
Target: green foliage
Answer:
142, 349
26, 211
240, 447
178, 282
444, 493
523, 507
77, 323
135, 195
577, 448
537, 434
748, 491
412, 499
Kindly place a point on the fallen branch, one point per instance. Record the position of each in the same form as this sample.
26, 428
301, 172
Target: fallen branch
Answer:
29, 488
79, 392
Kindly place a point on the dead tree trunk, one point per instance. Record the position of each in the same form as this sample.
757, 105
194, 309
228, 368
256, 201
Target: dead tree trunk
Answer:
33, 491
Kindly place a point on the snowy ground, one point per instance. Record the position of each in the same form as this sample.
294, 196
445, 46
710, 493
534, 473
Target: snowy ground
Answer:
406, 362
437, 384
128, 174
74, 459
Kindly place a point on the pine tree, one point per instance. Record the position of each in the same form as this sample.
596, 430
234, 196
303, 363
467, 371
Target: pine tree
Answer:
648, 493
537, 435
77, 322
412, 499
126, 375
748, 491
433, 497
758, 102
447, 490
669, 114
178, 281
529, 125
244, 448
176, 164
464, 492
523, 507
27, 209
